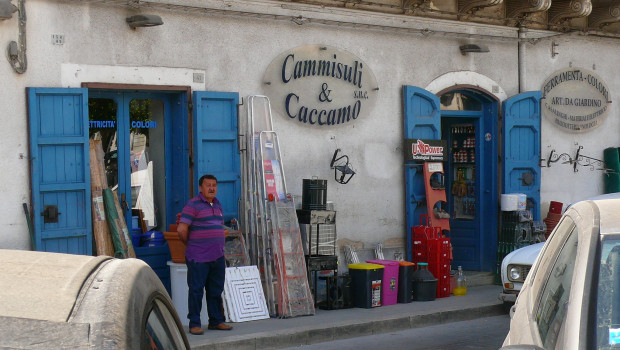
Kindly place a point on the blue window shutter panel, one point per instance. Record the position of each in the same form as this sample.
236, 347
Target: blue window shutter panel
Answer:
422, 118
216, 149
422, 114
522, 147
60, 169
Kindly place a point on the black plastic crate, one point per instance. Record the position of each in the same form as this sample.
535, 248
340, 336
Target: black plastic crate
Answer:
338, 293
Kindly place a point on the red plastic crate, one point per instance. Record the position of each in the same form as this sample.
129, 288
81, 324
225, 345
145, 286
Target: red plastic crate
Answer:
443, 286
429, 246
439, 252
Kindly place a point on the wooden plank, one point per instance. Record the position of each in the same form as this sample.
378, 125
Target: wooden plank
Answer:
123, 231
101, 231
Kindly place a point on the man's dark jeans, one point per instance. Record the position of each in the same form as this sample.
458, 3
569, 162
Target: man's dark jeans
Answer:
209, 277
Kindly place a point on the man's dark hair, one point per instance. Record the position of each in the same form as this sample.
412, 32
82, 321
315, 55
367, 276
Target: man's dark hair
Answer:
203, 177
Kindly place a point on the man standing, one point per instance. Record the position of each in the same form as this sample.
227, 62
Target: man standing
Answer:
201, 227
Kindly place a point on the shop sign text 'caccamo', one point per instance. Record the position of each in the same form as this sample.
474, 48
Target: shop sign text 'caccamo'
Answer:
321, 86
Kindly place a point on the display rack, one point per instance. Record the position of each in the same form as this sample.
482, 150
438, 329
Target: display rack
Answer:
463, 170
318, 231
436, 204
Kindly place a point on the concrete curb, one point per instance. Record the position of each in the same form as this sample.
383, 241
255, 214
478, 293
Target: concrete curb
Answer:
278, 339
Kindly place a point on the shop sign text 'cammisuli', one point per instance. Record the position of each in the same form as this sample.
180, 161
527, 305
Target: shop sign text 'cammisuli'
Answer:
320, 85
575, 100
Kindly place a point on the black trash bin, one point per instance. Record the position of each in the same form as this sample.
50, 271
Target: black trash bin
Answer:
405, 281
366, 284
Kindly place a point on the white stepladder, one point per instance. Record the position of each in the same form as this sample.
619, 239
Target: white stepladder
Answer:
272, 230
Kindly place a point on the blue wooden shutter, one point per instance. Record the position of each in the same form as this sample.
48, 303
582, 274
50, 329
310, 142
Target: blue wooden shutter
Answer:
216, 147
422, 121
522, 147
60, 171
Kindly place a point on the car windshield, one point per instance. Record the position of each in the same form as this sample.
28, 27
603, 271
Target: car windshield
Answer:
608, 304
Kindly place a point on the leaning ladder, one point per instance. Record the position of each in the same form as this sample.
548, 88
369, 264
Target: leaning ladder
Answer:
295, 297
274, 237
258, 120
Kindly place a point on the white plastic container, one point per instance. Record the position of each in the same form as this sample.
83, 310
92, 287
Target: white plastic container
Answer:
178, 287
513, 201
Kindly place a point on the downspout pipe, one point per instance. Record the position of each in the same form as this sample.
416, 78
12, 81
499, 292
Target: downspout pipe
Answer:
521, 59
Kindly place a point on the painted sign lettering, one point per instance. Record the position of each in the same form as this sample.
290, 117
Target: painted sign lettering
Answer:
425, 150
320, 85
575, 100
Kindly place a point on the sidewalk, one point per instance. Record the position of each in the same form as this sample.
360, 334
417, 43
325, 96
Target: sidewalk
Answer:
328, 325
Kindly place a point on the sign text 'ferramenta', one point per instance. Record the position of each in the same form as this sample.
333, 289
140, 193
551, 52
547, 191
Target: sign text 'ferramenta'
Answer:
575, 100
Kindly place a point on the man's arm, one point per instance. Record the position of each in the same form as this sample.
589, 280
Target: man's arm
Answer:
182, 230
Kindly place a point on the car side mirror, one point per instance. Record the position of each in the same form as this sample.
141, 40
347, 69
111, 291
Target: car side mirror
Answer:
521, 347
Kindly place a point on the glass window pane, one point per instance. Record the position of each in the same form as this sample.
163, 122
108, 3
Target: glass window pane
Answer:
102, 126
553, 305
608, 301
146, 158
456, 101
161, 331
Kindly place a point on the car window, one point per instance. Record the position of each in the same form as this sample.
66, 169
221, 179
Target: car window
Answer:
553, 304
161, 331
548, 255
608, 301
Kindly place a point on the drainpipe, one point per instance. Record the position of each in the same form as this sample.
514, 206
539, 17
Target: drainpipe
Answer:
521, 58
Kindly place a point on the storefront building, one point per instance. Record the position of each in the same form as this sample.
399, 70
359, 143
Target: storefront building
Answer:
484, 76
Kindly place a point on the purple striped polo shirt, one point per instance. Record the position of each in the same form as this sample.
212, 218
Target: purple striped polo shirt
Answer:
206, 229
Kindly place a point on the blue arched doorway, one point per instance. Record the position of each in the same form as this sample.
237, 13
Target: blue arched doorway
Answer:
470, 125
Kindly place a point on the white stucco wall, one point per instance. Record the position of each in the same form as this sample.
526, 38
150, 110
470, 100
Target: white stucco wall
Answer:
234, 51
559, 181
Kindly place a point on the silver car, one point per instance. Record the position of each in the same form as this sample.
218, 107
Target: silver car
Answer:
64, 301
515, 268
571, 296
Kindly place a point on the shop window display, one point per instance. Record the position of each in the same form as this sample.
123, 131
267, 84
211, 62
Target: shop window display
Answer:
463, 170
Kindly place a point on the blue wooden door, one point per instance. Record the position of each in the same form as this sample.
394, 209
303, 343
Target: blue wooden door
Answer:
60, 170
422, 120
521, 173
216, 149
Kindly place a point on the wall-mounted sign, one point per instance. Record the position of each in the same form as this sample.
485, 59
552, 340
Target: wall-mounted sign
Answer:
320, 85
575, 100
425, 150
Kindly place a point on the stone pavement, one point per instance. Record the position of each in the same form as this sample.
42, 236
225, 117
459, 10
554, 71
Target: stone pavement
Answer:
328, 325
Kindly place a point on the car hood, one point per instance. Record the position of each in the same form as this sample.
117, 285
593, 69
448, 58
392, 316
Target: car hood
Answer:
43, 286
526, 255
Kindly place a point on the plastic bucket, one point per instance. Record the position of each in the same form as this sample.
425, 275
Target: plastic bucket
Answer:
555, 207
314, 194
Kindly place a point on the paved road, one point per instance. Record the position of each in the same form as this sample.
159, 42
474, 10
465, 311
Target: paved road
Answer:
482, 333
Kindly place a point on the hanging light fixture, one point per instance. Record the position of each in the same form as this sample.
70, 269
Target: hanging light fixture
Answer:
6, 9
465, 49
342, 171
144, 21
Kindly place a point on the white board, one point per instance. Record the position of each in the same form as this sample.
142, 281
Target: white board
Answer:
243, 295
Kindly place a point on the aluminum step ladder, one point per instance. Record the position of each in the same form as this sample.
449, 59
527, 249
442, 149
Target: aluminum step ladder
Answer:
270, 217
